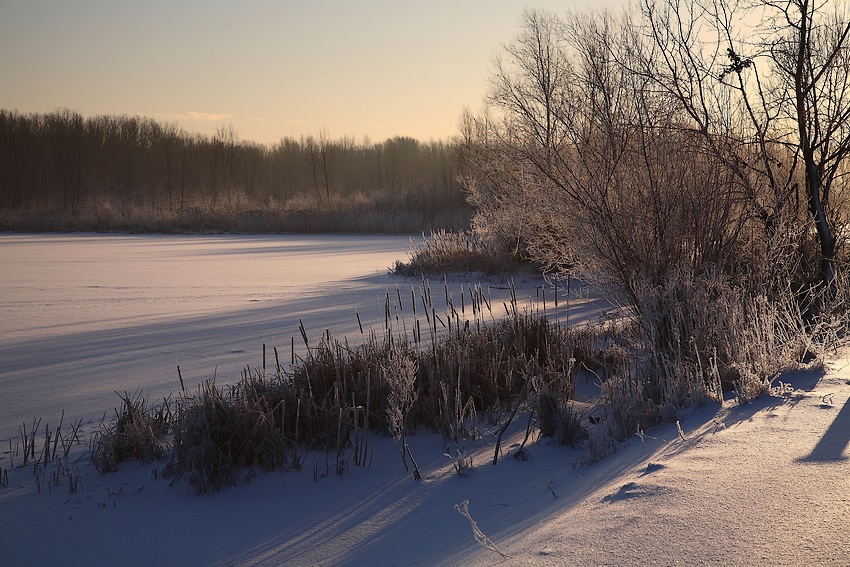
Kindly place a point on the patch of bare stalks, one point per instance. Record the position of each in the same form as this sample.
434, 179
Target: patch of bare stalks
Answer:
696, 337
460, 251
49, 453
442, 376
139, 431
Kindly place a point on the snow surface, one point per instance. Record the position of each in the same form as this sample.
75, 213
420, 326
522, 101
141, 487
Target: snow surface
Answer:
761, 484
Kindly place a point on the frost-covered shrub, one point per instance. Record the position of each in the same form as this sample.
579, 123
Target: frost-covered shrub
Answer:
399, 373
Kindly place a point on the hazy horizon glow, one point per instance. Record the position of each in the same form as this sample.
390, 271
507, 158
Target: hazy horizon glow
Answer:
270, 69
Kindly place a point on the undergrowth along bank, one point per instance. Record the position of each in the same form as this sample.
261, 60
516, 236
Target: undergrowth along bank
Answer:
463, 362
356, 214
444, 371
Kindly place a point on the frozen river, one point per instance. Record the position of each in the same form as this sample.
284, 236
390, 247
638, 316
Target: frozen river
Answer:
85, 316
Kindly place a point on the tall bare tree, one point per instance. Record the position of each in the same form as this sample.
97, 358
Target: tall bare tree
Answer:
589, 163
772, 101
810, 50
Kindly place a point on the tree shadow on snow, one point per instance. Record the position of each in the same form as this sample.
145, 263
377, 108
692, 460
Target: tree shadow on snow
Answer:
833, 444
799, 381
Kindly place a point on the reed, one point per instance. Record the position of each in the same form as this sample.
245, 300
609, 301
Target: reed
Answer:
457, 360
441, 362
139, 431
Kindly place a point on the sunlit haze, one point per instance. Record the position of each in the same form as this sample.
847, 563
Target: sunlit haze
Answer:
271, 69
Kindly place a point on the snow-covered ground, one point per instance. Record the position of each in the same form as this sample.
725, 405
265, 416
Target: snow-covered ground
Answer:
767, 483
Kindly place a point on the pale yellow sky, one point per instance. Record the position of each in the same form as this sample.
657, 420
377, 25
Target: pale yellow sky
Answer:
269, 68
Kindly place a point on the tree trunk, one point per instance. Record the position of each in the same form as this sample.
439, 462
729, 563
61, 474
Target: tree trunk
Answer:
826, 238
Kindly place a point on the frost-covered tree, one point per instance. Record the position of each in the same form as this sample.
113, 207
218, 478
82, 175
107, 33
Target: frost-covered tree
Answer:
592, 167
629, 146
766, 83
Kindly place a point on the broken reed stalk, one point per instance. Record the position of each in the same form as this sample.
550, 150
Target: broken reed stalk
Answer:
520, 399
480, 537
276, 360
416, 474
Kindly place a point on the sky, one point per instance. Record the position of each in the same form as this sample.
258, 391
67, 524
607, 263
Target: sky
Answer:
270, 69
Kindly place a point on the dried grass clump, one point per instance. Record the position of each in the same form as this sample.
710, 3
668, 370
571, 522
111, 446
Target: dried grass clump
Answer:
333, 384
484, 369
458, 251
556, 418
138, 432
219, 433
705, 334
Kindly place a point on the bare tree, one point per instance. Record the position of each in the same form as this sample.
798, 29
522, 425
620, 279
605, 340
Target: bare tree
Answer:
773, 103
811, 52
591, 165
71, 152
327, 155
314, 164
226, 157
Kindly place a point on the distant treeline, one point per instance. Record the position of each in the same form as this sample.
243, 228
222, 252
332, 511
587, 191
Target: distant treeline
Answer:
63, 171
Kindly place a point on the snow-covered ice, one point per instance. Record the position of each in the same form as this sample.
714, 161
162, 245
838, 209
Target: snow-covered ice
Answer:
87, 315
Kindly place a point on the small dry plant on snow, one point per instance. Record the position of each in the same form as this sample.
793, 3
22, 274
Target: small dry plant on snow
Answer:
463, 510
461, 462
400, 375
